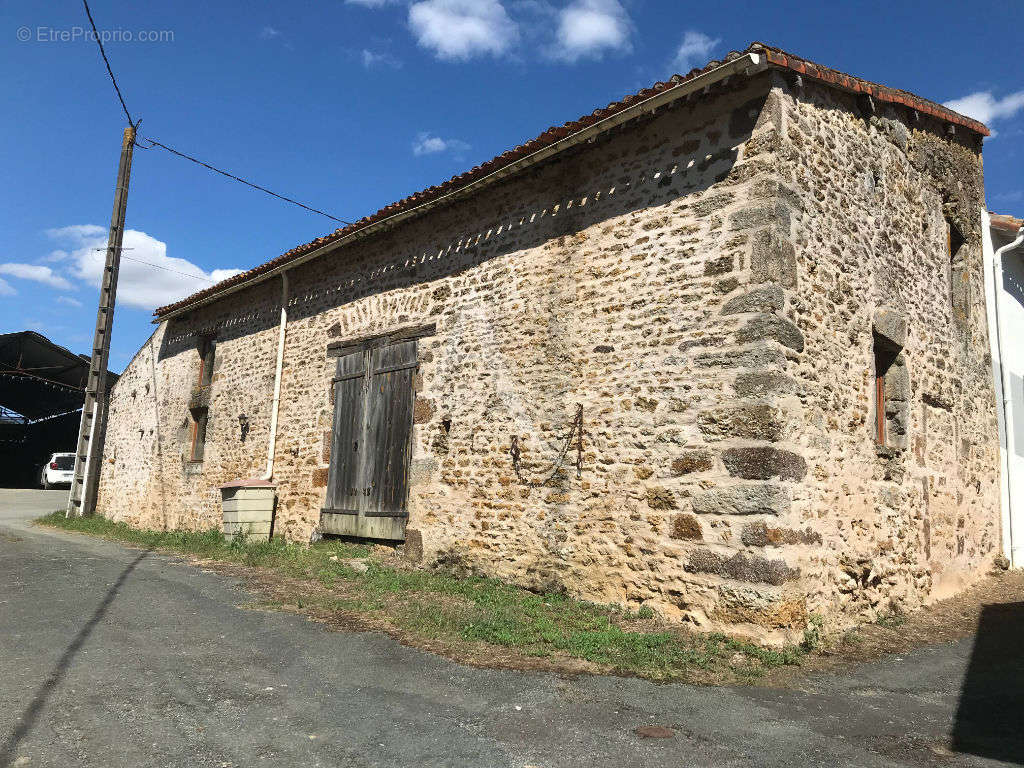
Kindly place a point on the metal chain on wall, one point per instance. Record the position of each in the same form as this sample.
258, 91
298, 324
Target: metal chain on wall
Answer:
576, 431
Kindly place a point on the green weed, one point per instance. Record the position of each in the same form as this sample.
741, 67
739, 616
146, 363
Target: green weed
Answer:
465, 612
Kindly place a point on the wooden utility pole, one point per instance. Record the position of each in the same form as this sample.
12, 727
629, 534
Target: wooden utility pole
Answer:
94, 411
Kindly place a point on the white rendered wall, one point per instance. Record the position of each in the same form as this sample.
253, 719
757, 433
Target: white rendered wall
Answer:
1008, 369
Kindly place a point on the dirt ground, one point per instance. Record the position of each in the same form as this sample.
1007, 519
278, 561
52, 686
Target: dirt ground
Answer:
943, 622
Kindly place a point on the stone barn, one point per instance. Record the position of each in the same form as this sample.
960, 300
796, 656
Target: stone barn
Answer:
718, 348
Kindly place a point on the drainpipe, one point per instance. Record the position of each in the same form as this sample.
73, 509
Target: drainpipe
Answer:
272, 442
1014, 540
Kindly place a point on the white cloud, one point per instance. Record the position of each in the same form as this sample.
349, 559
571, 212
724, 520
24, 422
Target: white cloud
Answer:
55, 256
6, 289
457, 30
985, 107
269, 33
372, 59
426, 144
371, 3
75, 231
694, 51
590, 28
140, 283
36, 272
69, 301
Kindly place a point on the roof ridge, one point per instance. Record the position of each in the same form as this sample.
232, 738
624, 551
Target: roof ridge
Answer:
774, 56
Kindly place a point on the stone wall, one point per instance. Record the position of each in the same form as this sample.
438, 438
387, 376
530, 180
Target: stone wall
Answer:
871, 192
687, 280
148, 478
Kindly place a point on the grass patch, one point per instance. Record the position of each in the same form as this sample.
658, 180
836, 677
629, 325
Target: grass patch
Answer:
891, 620
468, 617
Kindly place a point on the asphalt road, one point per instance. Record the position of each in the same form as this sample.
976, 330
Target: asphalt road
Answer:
117, 657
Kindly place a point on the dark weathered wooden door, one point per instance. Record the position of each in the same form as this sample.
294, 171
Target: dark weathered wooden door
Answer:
389, 428
368, 479
344, 487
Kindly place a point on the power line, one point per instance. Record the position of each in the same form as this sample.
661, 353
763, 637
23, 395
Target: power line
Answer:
103, 53
153, 143
168, 269
157, 266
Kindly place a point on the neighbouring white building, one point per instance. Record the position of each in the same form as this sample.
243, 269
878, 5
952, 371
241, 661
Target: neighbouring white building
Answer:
1004, 294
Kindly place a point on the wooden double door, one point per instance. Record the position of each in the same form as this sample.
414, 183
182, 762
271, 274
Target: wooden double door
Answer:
368, 479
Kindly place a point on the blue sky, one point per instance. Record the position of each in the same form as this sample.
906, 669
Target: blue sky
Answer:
351, 105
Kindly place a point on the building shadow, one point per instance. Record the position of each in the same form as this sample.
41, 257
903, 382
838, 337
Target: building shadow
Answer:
990, 714
27, 720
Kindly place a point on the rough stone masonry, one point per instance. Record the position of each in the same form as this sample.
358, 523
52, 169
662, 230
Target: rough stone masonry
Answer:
753, 293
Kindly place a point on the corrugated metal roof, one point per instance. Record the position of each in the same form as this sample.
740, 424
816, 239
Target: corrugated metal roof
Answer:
39, 378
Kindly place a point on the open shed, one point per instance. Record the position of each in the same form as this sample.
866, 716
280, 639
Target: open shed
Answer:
42, 388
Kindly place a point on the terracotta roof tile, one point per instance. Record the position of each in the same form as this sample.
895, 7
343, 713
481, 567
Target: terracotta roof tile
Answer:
855, 84
775, 57
1005, 222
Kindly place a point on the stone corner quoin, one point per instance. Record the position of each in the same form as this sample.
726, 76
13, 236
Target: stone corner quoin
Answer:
715, 286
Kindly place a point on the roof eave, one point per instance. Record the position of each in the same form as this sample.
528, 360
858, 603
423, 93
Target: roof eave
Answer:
883, 93
748, 64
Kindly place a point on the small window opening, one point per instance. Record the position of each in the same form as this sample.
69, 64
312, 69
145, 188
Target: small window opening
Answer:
959, 277
886, 354
206, 358
199, 435
954, 240
866, 106
200, 413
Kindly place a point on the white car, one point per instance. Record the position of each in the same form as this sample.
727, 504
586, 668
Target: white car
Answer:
58, 471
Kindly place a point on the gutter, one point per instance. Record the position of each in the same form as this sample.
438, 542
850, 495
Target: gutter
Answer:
276, 403
747, 64
1013, 524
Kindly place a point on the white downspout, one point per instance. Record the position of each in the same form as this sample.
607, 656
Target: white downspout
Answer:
1013, 538
272, 442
